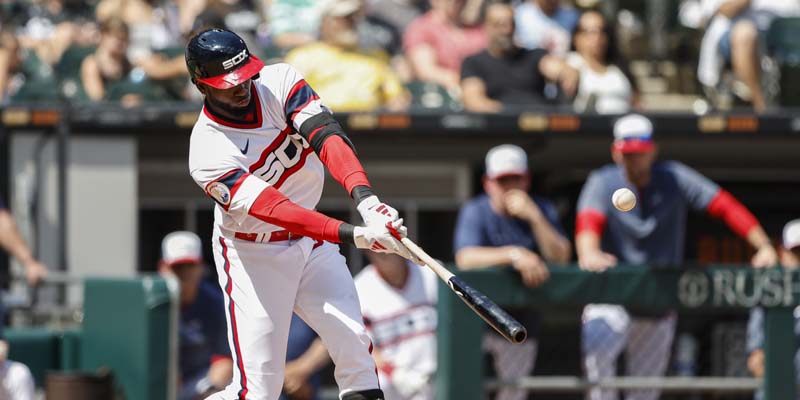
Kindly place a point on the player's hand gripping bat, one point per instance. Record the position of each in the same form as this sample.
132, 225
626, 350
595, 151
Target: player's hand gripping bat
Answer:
490, 312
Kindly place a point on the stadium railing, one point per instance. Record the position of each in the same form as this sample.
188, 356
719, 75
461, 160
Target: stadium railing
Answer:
711, 289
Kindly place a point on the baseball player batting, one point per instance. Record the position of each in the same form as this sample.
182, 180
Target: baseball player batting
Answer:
259, 149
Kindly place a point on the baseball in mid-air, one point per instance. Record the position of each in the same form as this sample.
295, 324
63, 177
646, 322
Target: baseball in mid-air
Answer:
623, 199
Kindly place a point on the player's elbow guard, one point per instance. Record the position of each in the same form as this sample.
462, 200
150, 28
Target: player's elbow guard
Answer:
319, 128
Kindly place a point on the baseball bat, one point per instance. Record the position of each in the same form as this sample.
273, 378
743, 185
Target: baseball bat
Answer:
490, 312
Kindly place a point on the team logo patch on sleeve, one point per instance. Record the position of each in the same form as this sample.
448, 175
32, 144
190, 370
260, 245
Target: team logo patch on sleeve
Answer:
219, 192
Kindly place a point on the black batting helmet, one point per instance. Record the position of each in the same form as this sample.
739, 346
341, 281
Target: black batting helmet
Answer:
220, 58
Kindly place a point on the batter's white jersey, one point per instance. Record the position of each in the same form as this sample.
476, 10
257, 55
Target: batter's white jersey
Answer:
235, 161
401, 322
264, 281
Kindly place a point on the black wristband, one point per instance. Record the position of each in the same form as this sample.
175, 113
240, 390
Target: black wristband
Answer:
347, 233
361, 192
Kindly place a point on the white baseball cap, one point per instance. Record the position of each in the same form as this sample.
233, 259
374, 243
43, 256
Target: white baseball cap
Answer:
504, 160
340, 8
791, 234
633, 133
181, 247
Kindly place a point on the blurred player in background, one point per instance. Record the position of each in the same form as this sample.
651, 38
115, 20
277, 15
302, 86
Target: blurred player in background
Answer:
790, 259
652, 234
507, 226
16, 381
398, 300
204, 359
259, 149
306, 356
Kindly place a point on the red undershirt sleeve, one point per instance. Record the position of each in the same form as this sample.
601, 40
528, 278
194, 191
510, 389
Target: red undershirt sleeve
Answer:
590, 220
219, 357
273, 207
343, 164
738, 218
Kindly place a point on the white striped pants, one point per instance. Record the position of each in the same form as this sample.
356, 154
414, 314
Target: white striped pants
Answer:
511, 361
607, 331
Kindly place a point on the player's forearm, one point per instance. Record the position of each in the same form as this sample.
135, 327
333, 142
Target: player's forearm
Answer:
480, 257
586, 243
344, 166
220, 372
315, 358
11, 240
758, 238
738, 218
273, 207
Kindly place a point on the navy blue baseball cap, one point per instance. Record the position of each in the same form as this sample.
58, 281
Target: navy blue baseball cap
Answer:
220, 58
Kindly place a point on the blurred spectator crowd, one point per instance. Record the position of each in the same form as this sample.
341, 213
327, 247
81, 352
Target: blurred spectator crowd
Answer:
364, 55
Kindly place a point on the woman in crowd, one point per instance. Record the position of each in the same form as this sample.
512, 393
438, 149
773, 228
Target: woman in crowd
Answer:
603, 87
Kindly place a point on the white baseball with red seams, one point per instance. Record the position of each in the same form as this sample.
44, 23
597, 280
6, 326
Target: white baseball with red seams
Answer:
623, 199
264, 280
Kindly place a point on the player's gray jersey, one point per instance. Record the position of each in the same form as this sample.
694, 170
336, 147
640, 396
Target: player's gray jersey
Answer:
234, 161
654, 231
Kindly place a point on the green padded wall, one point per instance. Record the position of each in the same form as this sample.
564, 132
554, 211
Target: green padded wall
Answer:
126, 327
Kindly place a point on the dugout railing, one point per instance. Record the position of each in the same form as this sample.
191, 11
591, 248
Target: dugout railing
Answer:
461, 374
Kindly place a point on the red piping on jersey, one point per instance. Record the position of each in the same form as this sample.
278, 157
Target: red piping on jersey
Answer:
725, 207
299, 109
273, 207
387, 368
295, 168
233, 189
590, 220
253, 120
401, 312
272, 146
242, 395
400, 339
377, 376
237, 185
343, 163
297, 86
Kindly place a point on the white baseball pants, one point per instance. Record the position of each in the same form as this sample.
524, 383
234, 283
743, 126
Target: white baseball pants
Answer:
16, 381
262, 284
609, 329
511, 362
